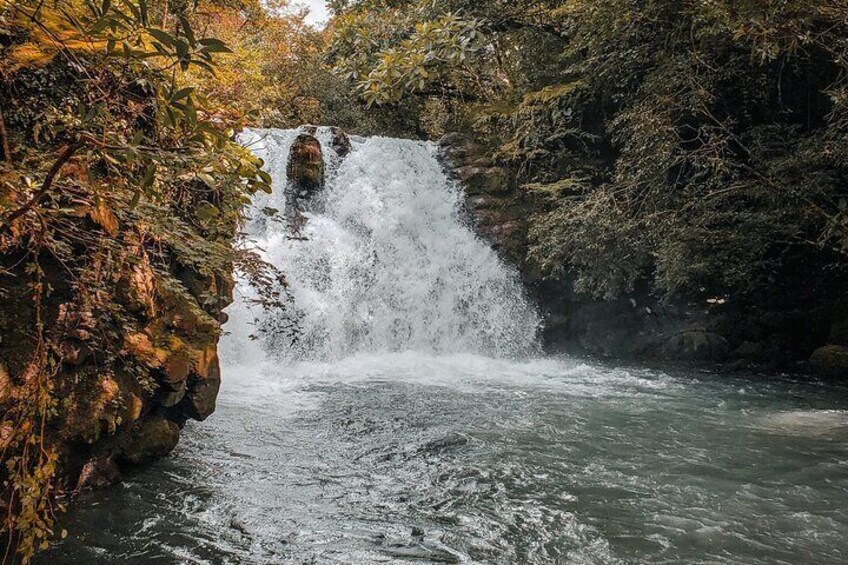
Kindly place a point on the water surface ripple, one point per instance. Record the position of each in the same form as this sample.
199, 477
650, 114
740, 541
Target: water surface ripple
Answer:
409, 458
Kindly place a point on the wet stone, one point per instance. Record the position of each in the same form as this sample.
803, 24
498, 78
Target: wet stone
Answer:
305, 170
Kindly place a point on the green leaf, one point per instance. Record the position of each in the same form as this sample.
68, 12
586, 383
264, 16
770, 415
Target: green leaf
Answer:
135, 12
162, 36
160, 48
189, 33
181, 93
142, 6
206, 211
182, 53
99, 26
212, 45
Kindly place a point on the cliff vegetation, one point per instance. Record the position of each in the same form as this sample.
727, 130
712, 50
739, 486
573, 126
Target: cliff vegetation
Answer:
121, 194
684, 151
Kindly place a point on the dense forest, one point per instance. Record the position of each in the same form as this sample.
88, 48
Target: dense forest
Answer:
681, 150
682, 155
699, 145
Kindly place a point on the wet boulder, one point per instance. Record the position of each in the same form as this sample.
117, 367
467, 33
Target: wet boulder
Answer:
830, 362
305, 170
340, 142
99, 471
148, 440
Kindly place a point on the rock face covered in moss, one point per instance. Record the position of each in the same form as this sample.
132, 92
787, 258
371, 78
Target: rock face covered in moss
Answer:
499, 210
122, 188
125, 406
780, 333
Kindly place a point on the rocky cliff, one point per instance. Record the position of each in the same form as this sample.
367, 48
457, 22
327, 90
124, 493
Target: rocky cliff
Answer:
128, 370
782, 329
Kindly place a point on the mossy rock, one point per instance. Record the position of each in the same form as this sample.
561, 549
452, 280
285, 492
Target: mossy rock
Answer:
148, 440
305, 169
830, 362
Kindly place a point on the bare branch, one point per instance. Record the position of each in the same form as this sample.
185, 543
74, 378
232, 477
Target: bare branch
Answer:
64, 157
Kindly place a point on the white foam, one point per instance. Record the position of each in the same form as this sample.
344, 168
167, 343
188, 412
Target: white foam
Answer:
387, 264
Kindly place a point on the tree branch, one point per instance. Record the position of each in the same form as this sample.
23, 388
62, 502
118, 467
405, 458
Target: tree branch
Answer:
4, 140
65, 156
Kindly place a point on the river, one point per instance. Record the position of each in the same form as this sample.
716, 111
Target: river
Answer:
399, 410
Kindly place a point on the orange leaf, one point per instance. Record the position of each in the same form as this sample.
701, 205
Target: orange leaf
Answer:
104, 217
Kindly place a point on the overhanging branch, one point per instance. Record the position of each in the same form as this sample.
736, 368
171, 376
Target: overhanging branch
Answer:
64, 157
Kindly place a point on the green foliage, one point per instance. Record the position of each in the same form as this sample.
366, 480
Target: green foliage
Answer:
697, 146
113, 166
413, 63
708, 131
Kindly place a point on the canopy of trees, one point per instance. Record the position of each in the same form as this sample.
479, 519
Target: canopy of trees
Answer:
699, 145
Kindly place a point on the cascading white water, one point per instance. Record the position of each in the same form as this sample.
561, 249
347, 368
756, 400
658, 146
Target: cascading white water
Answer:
384, 263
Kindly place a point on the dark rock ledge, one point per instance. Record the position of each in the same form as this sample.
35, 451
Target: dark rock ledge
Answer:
777, 335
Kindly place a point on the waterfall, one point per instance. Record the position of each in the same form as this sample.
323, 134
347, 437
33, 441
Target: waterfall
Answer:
384, 263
